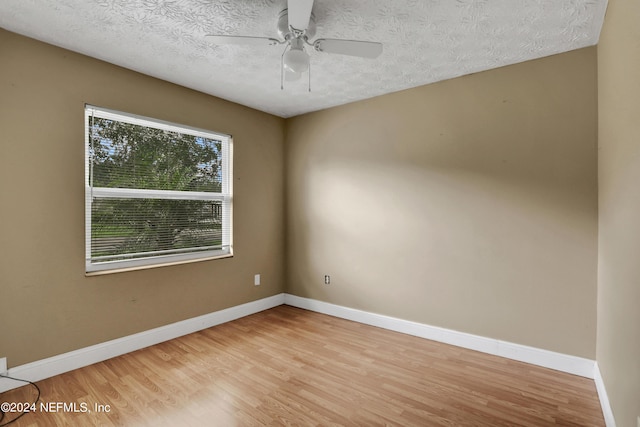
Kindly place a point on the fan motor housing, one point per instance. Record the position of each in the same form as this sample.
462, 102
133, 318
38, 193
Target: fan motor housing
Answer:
283, 26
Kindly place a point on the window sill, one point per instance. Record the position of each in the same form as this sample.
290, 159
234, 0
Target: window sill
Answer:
156, 265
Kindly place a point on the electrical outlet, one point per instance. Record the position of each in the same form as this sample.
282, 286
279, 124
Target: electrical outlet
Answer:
3, 366
327, 279
256, 280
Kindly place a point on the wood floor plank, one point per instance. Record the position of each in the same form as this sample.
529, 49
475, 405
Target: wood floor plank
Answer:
287, 366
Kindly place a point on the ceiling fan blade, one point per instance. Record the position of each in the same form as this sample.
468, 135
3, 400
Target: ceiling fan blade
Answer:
299, 12
244, 40
349, 47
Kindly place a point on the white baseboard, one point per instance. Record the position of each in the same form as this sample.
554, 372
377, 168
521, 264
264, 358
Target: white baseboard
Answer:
604, 399
535, 356
59, 364
66, 362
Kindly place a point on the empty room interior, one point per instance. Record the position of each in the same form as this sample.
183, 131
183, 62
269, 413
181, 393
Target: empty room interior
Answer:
441, 228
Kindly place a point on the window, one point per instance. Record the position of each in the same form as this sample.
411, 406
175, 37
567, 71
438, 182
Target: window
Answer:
156, 192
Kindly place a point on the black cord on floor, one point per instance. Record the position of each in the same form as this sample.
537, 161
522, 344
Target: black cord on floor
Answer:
2, 413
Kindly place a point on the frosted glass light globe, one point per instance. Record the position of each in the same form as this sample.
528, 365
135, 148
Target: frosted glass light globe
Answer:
296, 60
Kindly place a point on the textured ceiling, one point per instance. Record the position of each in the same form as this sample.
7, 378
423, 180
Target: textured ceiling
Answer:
424, 41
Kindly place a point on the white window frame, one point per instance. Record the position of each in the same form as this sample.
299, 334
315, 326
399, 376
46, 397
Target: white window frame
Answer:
225, 196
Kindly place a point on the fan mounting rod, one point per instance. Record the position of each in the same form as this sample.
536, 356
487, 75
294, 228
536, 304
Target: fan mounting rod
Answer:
287, 32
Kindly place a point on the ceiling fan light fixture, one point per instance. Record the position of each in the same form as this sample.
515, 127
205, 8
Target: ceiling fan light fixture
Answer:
296, 27
296, 60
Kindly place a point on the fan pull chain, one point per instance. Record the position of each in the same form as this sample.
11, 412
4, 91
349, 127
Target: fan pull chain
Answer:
282, 69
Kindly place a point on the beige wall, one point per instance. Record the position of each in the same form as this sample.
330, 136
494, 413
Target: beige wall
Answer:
468, 204
618, 349
47, 305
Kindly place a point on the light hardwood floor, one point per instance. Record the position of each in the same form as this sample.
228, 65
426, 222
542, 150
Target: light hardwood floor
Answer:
287, 366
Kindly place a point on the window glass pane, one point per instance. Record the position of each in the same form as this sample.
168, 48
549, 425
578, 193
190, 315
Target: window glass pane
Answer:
155, 192
136, 228
127, 155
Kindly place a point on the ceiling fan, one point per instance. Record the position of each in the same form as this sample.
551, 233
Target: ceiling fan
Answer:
296, 26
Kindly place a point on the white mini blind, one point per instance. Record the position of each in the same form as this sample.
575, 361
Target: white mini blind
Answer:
156, 192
